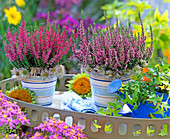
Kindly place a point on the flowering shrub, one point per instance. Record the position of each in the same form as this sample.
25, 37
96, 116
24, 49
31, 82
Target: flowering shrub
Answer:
112, 52
37, 52
11, 117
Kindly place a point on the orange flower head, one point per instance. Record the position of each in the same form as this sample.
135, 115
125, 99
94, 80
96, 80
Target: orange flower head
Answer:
144, 70
82, 85
167, 52
169, 60
162, 31
145, 79
134, 31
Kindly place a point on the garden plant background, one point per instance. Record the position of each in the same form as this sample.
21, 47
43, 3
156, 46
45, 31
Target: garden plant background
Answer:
35, 12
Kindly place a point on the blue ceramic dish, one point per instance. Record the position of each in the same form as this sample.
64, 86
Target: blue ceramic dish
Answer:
144, 110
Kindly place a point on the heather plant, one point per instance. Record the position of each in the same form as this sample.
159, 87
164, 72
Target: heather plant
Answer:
38, 52
156, 16
114, 51
11, 117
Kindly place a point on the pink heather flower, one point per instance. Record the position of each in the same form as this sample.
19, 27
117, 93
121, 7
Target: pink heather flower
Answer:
43, 48
115, 49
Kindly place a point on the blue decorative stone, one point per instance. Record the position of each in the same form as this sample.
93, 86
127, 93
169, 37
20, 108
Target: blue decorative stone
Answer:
114, 86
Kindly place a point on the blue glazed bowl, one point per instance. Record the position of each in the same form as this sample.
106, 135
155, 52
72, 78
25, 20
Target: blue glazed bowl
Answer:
145, 109
165, 97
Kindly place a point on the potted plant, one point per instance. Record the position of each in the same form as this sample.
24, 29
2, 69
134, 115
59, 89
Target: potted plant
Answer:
141, 98
37, 56
111, 53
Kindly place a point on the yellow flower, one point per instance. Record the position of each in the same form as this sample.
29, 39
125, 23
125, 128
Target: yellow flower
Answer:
80, 84
22, 94
20, 3
13, 15
157, 65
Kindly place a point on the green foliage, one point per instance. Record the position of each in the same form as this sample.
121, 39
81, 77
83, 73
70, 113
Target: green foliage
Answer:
91, 8
113, 109
143, 88
164, 130
150, 131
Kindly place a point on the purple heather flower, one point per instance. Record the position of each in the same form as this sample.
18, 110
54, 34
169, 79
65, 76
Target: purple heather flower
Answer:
114, 49
67, 4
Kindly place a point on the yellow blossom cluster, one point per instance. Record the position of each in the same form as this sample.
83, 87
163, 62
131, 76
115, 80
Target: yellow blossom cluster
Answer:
81, 85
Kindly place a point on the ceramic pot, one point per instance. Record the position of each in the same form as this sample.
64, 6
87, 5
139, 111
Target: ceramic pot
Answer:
44, 88
99, 89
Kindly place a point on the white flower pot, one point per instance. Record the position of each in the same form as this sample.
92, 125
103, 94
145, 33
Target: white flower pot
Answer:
44, 88
99, 89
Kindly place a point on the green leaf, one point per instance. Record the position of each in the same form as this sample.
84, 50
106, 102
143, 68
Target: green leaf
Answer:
96, 125
127, 100
157, 15
164, 37
134, 77
107, 128
153, 99
164, 130
165, 16
102, 111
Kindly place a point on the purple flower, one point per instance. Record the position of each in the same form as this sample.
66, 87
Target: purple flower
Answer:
72, 22
11, 115
58, 129
67, 4
42, 15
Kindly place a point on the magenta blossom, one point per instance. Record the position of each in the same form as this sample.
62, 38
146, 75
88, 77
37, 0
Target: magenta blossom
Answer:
11, 116
42, 48
113, 50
